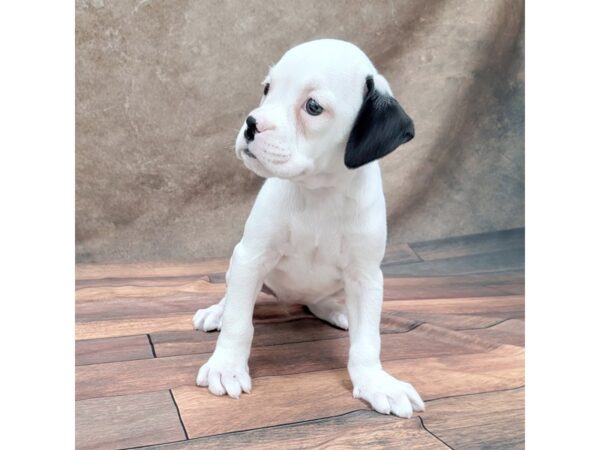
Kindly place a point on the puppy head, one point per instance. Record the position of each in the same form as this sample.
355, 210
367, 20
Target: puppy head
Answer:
324, 109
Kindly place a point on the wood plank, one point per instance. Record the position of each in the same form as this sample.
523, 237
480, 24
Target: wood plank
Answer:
472, 285
198, 287
505, 306
512, 259
128, 377
149, 269
139, 281
358, 429
94, 351
127, 421
330, 391
131, 327
472, 244
136, 308
509, 332
494, 420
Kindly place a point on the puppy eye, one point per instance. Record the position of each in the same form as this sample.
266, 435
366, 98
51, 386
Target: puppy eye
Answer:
312, 107
266, 90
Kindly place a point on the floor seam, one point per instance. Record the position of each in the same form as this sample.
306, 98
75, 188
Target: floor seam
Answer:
476, 393
432, 434
179, 415
151, 345
487, 326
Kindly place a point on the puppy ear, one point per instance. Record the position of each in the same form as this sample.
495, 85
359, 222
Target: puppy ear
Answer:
380, 127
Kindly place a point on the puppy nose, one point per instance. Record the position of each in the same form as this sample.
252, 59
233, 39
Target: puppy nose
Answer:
251, 128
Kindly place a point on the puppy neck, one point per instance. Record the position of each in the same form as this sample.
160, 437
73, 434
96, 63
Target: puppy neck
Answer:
327, 172
340, 180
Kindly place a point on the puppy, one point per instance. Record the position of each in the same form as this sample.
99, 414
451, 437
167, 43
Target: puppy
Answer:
317, 232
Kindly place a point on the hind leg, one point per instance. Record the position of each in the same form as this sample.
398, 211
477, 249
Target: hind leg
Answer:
332, 310
211, 318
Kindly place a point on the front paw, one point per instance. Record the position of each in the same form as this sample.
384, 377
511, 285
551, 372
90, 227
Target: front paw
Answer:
225, 375
385, 393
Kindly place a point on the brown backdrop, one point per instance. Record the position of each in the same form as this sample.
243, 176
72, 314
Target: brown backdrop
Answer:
163, 86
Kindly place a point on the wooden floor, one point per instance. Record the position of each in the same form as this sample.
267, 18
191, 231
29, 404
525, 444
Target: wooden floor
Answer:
453, 325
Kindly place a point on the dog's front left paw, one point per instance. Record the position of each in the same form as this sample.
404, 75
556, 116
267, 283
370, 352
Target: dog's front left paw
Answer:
224, 376
385, 393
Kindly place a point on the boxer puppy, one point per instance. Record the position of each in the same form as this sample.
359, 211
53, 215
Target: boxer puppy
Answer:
317, 232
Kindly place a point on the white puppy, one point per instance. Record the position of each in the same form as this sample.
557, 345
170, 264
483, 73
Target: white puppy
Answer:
317, 232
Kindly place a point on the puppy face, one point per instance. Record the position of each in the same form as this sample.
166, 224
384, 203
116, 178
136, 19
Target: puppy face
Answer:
324, 108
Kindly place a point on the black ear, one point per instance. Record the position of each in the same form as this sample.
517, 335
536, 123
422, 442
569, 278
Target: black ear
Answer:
380, 127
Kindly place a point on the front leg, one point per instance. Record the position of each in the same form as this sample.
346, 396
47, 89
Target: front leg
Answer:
226, 371
386, 394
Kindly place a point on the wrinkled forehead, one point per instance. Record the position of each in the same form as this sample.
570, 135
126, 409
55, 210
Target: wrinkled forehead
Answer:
340, 69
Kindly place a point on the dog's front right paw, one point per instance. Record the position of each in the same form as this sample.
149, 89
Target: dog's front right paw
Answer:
224, 376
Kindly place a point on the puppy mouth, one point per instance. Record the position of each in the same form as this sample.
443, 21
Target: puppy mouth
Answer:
247, 152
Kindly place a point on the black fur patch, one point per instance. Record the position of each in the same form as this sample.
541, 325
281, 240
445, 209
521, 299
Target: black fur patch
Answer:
380, 127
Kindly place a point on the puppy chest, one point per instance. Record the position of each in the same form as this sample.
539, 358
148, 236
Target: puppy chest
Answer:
316, 242
311, 257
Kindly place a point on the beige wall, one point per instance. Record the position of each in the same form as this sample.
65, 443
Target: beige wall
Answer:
163, 86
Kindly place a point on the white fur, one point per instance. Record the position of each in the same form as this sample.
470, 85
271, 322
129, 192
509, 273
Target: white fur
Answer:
316, 234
